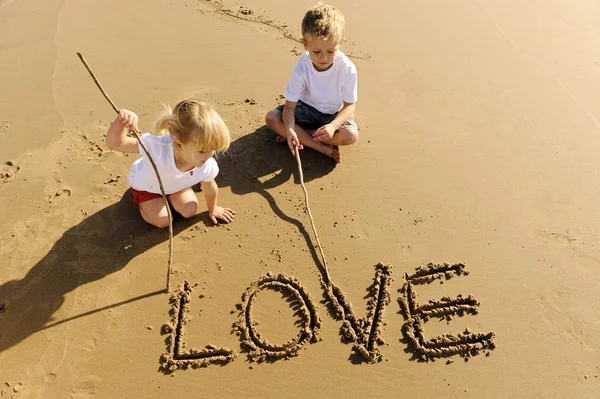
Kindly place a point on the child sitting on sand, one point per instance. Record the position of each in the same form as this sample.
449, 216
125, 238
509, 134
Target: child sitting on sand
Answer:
322, 92
187, 138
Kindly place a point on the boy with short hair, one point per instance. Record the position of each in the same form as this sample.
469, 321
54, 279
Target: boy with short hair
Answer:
322, 92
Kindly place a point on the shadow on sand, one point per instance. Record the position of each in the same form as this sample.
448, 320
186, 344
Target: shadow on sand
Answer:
94, 248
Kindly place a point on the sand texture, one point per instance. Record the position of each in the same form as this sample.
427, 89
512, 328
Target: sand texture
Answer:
461, 230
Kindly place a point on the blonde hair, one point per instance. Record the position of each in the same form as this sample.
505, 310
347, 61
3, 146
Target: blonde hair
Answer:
324, 22
195, 123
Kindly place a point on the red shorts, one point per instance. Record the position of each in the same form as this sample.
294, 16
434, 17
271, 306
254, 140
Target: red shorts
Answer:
142, 196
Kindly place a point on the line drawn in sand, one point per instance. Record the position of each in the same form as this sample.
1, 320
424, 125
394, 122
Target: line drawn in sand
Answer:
260, 349
176, 358
465, 344
246, 14
364, 333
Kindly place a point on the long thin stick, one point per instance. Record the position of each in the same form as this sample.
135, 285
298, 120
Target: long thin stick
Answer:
162, 190
310, 214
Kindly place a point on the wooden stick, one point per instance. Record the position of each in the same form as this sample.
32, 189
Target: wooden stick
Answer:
162, 190
310, 213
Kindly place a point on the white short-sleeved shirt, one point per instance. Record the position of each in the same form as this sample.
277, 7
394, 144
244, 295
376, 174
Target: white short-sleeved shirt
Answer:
142, 176
326, 91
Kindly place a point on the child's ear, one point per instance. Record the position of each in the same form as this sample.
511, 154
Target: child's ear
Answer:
177, 144
305, 43
342, 42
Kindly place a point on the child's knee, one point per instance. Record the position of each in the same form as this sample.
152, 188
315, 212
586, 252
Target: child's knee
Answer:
349, 136
161, 222
273, 117
189, 209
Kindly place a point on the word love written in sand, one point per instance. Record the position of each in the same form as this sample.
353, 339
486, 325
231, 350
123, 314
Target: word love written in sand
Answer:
364, 333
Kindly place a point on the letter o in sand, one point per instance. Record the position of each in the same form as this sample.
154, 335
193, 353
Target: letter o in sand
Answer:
260, 349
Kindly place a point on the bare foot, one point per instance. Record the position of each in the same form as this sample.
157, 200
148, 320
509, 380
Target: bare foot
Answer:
280, 139
335, 154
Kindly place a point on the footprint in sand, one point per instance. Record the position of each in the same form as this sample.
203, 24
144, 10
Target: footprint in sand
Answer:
61, 193
4, 127
88, 148
86, 387
563, 238
8, 171
90, 343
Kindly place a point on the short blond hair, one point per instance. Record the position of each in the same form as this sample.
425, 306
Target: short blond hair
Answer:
195, 123
324, 22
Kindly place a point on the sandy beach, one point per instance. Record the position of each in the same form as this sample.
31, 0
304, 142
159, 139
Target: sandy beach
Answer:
478, 150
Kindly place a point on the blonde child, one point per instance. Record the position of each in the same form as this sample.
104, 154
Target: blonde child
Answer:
322, 92
187, 138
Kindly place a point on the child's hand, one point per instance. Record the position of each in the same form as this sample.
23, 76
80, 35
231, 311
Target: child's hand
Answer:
293, 142
324, 132
225, 214
129, 119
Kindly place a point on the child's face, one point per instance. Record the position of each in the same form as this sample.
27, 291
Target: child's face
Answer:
199, 158
194, 156
322, 52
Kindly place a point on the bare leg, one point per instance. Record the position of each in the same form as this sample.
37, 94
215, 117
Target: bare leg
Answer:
155, 212
275, 122
343, 136
185, 202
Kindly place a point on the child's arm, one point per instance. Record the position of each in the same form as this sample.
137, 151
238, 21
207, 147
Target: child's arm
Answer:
326, 132
290, 122
116, 137
211, 192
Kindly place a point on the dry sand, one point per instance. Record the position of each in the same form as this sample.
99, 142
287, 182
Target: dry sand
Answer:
479, 145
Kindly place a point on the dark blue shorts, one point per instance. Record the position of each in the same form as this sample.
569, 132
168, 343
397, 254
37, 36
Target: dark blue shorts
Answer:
309, 118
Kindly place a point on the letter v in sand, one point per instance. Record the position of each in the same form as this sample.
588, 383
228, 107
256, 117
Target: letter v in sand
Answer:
365, 333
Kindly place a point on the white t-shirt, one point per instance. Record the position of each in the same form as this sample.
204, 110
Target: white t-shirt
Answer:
142, 176
325, 90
